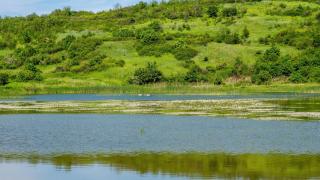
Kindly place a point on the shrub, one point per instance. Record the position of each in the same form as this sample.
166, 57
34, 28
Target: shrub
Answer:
229, 12
296, 77
245, 33
226, 36
29, 73
148, 36
271, 54
263, 77
67, 41
239, 68
213, 11
195, 74
156, 26
4, 79
123, 33
318, 17
149, 74
184, 53
83, 46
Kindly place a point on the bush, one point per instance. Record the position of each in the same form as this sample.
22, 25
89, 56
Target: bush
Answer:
184, 53
239, 68
83, 46
195, 74
263, 77
271, 54
229, 12
4, 79
149, 74
245, 33
227, 37
29, 73
156, 26
213, 11
123, 33
148, 36
296, 77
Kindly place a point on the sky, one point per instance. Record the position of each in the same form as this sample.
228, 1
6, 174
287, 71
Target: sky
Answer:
25, 7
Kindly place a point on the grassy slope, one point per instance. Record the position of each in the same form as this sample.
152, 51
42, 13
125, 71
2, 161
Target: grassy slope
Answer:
256, 20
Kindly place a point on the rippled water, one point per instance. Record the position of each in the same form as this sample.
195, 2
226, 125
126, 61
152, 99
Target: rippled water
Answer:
92, 146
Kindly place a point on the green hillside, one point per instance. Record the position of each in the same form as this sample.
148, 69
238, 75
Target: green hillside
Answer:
207, 43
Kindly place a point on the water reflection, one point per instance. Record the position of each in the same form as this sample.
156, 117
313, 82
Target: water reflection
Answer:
190, 164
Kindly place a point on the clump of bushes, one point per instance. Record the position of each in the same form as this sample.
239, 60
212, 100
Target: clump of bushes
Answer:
228, 37
4, 79
147, 75
230, 12
29, 73
196, 74
213, 11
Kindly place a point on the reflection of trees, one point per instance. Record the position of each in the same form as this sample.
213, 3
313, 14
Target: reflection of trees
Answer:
252, 166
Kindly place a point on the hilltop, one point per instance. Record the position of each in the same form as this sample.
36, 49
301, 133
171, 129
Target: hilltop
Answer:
206, 43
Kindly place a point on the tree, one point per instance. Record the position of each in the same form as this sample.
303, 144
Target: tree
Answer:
149, 74
213, 11
4, 79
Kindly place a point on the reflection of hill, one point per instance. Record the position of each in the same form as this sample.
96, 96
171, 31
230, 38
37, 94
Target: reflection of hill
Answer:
253, 166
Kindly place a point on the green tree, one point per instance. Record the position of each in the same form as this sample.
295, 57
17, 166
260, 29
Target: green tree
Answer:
149, 74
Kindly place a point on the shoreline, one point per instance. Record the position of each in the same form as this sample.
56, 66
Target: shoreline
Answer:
15, 90
256, 109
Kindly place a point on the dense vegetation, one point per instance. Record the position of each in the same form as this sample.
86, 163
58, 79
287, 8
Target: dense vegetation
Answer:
209, 41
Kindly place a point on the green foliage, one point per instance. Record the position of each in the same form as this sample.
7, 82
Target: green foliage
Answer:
226, 36
213, 11
294, 11
196, 74
149, 74
4, 79
148, 36
29, 73
240, 68
271, 54
156, 26
245, 33
263, 77
296, 77
230, 12
124, 33
81, 47
184, 53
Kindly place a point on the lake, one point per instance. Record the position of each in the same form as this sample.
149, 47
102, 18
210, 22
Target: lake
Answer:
97, 146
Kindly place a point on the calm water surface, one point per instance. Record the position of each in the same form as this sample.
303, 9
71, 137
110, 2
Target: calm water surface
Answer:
91, 146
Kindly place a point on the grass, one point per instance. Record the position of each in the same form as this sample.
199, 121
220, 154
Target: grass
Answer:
115, 79
78, 86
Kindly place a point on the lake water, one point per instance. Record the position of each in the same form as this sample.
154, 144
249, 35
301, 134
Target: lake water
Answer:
92, 146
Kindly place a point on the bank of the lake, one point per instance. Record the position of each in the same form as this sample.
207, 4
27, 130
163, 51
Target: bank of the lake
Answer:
32, 88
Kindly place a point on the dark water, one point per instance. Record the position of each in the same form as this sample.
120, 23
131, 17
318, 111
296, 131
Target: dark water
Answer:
150, 97
90, 146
